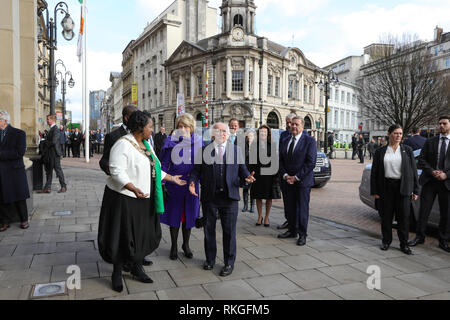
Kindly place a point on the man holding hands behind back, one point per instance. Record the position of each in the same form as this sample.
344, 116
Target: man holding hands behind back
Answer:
220, 172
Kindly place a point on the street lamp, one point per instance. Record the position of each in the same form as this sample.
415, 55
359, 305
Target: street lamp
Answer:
261, 63
71, 83
331, 79
68, 25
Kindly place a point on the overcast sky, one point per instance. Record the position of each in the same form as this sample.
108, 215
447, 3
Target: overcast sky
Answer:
325, 30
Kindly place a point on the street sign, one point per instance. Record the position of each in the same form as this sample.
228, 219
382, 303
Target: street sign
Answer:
134, 93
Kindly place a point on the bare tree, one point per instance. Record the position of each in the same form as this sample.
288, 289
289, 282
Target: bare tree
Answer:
403, 86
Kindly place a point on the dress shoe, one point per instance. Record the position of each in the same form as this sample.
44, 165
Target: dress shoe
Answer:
4, 227
384, 246
207, 265
116, 280
62, 190
45, 191
301, 241
444, 246
416, 241
286, 235
406, 250
283, 226
226, 271
173, 253
187, 252
138, 273
147, 262
24, 225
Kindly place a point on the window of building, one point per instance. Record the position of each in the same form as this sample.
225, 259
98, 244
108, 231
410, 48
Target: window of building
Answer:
342, 119
238, 20
155, 71
143, 77
143, 96
188, 87
161, 98
237, 84
290, 89
149, 93
160, 77
250, 81
305, 93
149, 74
331, 93
296, 85
310, 94
336, 96
269, 85
336, 115
353, 99
200, 85
321, 98
348, 97
447, 62
224, 81
155, 91
342, 97
277, 86
342, 67
177, 87
335, 69
436, 51
347, 119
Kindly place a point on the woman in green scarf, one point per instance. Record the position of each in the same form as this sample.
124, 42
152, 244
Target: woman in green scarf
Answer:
129, 227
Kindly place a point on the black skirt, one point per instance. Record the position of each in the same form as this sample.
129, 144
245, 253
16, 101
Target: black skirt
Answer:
129, 228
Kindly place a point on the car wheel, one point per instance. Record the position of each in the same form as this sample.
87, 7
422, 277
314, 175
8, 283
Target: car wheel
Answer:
321, 185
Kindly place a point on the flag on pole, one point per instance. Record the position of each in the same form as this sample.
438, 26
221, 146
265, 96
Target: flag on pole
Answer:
80, 35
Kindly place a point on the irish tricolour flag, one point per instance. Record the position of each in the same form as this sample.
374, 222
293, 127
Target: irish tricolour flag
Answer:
80, 35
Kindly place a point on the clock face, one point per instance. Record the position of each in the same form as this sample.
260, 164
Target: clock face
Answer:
238, 34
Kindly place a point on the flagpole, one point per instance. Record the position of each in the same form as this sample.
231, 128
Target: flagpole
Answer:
85, 91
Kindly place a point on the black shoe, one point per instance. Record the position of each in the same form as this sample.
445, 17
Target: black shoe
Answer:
226, 271
283, 226
245, 209
116, 280
406, 250
138, 273
384, 246
147, 263
173, 253
416, 241
444, 246
301, 241
207, 265
286, 235
187, 252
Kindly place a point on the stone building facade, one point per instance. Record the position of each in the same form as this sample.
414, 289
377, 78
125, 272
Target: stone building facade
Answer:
127, 73
250, 78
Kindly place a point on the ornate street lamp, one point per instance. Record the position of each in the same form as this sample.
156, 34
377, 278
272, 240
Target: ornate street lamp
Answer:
330, 79
63, 75
68, 25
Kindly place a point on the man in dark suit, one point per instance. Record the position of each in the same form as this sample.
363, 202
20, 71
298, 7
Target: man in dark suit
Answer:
234, 127
297, 161
54, 153
354, 146
13, 181
331, 144
160, 139
434, 160
76, 142
112, 138
416, 142
219, 173
62, 139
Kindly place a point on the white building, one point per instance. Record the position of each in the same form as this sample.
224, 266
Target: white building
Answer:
190, 20
117, 100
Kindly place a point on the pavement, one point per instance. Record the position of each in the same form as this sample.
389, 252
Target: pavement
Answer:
333, 264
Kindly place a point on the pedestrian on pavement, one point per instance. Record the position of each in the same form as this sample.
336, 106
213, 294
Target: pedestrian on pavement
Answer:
434, 161
62, 139
76, 142
297, 162
265, 185
160, 139
393, 184
354, 145
285, 135
222, 165
53, 159
360, 146
99, 139
416, 141
13, 180
246, 187
182, 208
68, 145
371, 147
129, 227
111, 138
331, 144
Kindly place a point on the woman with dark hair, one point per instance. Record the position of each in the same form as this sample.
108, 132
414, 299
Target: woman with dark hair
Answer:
263, 187
394, 183
129, 227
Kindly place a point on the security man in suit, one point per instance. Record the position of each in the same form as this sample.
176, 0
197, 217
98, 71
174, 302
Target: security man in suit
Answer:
54, 153
234, 127
297, 161
416, 142
434, 160
75, 139
13, 180
219, 173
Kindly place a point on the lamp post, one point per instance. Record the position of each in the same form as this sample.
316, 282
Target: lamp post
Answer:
330, 80
71, 84
51, 25
261, 63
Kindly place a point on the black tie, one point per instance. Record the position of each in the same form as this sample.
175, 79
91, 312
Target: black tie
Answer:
291, 148
2, 135
441, 163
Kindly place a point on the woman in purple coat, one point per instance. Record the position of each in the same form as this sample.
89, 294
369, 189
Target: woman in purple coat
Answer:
177, 157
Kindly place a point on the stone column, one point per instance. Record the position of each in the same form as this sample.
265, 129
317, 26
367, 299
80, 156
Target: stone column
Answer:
283, 86
256, 92
192, 84
302, 88
170, 88
181, 82
229, 77
246, 77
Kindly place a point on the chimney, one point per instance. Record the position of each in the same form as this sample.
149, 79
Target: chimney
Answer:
437, 34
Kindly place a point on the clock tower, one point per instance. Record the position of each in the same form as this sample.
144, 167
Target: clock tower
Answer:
238, 18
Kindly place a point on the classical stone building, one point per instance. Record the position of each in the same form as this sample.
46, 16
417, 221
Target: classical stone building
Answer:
116, 105
127, 73
250, 78
190, 20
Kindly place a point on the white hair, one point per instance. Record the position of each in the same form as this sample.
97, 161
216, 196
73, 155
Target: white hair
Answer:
4, 115
290, 116
218, 123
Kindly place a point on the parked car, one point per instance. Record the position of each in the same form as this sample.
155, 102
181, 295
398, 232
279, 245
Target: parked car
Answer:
366, 198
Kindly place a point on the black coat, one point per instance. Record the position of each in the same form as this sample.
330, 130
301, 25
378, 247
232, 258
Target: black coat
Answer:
13, 179
428, 161
159, 140
416, 142
53, 144
409, 182
110, 140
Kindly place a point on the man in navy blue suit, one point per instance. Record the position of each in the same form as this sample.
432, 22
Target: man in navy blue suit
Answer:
297, 161
219, 173
416, 142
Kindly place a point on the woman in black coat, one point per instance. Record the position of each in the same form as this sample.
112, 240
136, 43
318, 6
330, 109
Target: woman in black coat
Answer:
394, 183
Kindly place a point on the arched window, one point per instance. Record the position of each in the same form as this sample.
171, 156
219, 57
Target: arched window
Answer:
308, 124
238, 20
199, 121
272, 121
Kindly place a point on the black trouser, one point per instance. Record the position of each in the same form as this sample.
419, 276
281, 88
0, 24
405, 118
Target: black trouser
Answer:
354, 153
54, 163
331, 152
427, 197
393, 202
360, 155
283, 186
62, 149
7, 208
76, 150
67, 148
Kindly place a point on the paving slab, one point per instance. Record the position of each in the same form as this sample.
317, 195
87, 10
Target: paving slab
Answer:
35, 248
98, 288
386, 270
88, 256
57, 237
432, 262
404, 264
192, 276
302, 262
333, 258
21, 277
266, 252
75, 246
439, 296
316, 294
400, 290
25, 239
75, 228
294, 250
443, 274
357, 291
231, 290
264, 240
14, 263
183, 293
344, 274
273, 285
7, 250
241, 271
10, 293
310, 279
88, 270
322, 245
162, 281
164, 263
53, 259
151, 295
425, 282
87, 236
269, 266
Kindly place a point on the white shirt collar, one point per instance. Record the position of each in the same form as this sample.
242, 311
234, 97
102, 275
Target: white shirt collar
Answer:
298, 137
446, 137
52, 125
125, 127
216, 145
